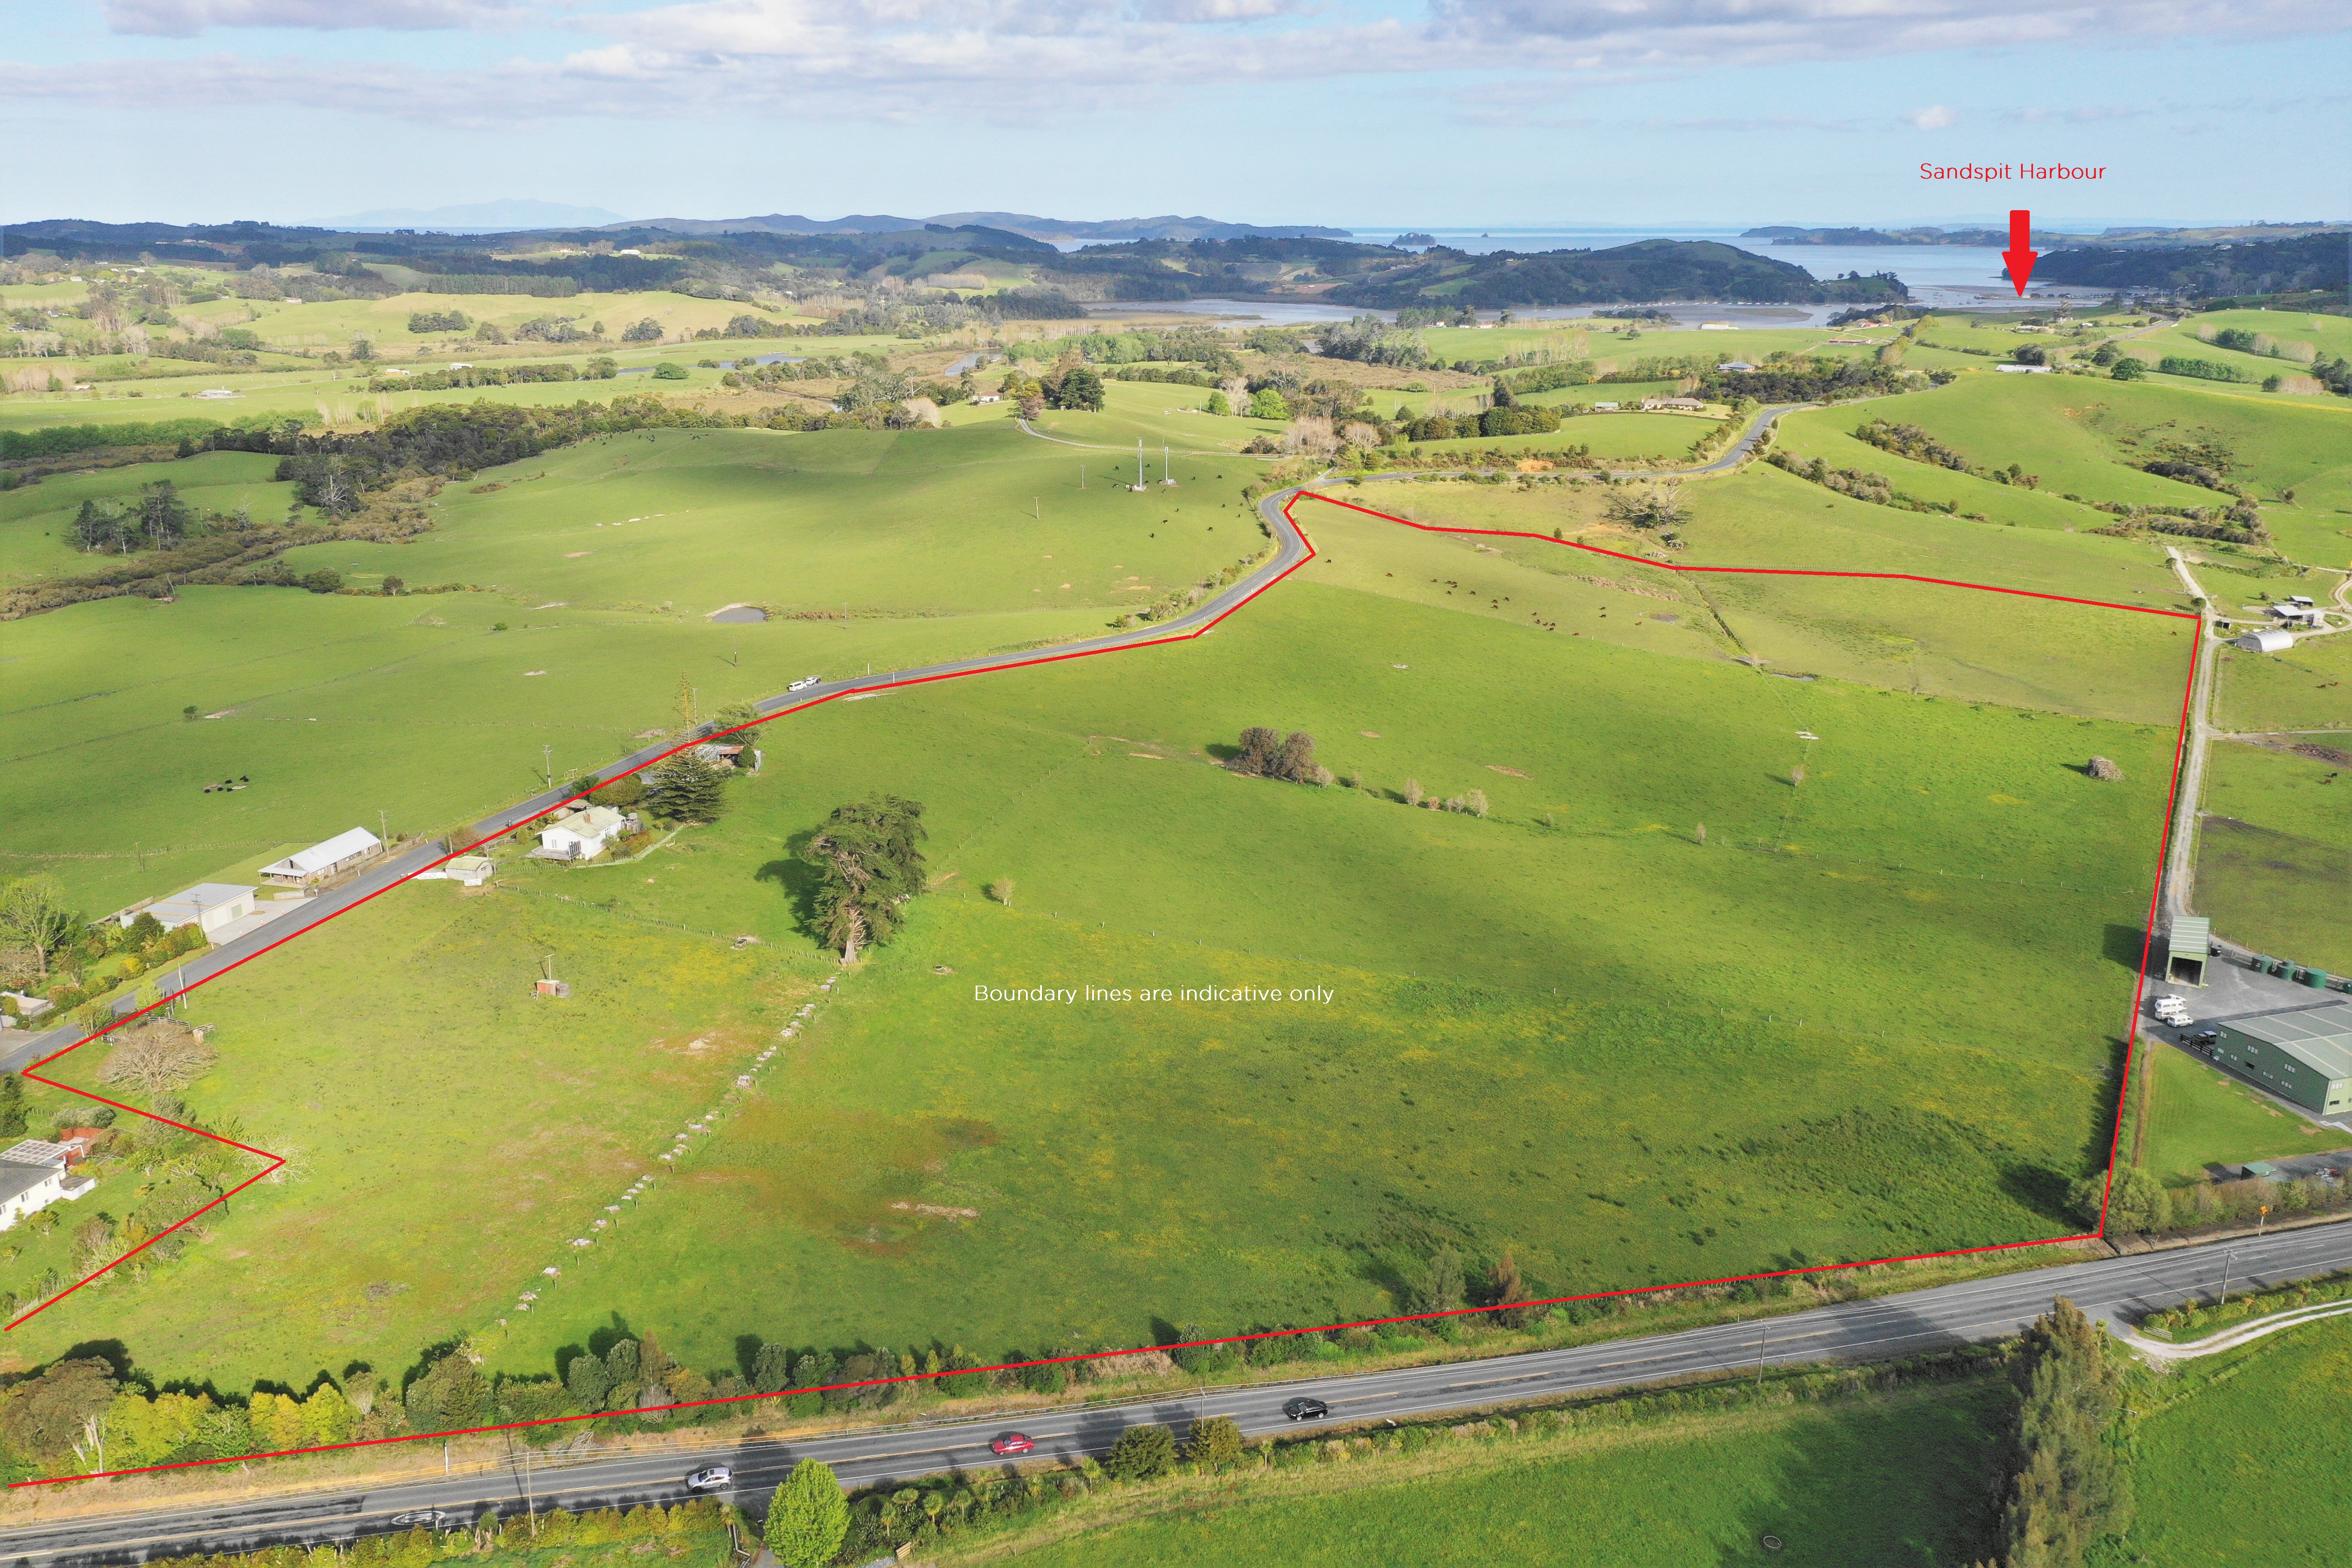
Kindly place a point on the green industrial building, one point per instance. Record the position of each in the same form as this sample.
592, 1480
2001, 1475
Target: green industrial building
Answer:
2304, 1055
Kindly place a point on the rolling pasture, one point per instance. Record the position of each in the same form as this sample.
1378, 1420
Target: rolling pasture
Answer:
2056, 657
1815, 1480
1648, 1058
2301, 688
337, 706
2215, 1435
36, 521
2274, 853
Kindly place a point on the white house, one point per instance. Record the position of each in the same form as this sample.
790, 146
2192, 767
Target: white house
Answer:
320, 861
578, 835
211, 905
32, 1177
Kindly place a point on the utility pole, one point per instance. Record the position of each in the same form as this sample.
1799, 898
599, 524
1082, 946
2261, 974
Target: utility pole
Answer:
547, 761
383, 829
2226, 1258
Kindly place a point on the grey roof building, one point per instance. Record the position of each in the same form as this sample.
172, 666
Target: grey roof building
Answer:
2303, 1055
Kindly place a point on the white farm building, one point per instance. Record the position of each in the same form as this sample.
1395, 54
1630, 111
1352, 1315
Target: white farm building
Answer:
321, 861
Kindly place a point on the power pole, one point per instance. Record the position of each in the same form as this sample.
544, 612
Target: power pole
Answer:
547, 761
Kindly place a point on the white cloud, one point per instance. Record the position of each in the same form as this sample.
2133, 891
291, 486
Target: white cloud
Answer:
901, 59
1202, 11
186, 19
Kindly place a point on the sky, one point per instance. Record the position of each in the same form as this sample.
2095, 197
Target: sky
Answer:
1356, 113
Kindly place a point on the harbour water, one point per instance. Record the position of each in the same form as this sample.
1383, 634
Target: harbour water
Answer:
1947, 276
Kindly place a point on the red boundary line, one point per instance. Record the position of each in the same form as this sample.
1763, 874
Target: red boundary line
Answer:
2131, 1032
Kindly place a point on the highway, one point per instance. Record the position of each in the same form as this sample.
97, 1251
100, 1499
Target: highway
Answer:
1886, 1326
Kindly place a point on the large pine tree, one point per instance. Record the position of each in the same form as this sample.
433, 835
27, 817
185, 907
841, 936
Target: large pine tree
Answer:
689, 787
868, 866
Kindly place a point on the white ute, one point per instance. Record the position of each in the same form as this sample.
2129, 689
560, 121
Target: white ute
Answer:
804, 683
2172, 1010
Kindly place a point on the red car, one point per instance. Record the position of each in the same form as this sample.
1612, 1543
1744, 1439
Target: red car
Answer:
1012, 1443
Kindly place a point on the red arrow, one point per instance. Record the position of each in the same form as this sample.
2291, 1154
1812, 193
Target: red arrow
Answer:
2019, 255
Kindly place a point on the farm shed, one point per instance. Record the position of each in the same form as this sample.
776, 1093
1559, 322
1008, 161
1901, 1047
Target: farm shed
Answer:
211, 905
2303, 1054
2187, 949
2264, 641
321, 861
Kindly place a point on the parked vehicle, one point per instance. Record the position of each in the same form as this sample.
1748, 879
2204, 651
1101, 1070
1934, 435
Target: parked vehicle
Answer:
427, 1519
718, 1478
1013, 1443
2172, 1010
804, 683
1305, 1409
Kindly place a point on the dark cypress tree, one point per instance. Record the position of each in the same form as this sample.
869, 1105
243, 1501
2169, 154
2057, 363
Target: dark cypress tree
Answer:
688, 788
2070, 1488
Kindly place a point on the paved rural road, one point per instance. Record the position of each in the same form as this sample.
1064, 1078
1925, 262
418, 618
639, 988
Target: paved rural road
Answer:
19, 1050
1856, 1331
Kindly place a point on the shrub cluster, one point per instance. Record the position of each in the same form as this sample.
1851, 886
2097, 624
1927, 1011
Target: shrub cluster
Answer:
1266, 754
599, 369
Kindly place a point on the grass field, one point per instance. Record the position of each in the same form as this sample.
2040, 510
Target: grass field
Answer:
2274, 854
1819, 1482
2265, 1421
1827, 433
1706, 1093
326, 700
945, 522
2106, 664
442, 1147
335, 324
2088, 438
2199, 1116
35, 519
2302, 689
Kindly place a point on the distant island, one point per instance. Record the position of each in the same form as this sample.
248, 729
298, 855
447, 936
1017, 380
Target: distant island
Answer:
1415, 238
1643, 272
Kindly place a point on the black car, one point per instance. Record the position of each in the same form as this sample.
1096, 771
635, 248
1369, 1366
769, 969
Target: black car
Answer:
2205, 1040
1305, 1409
